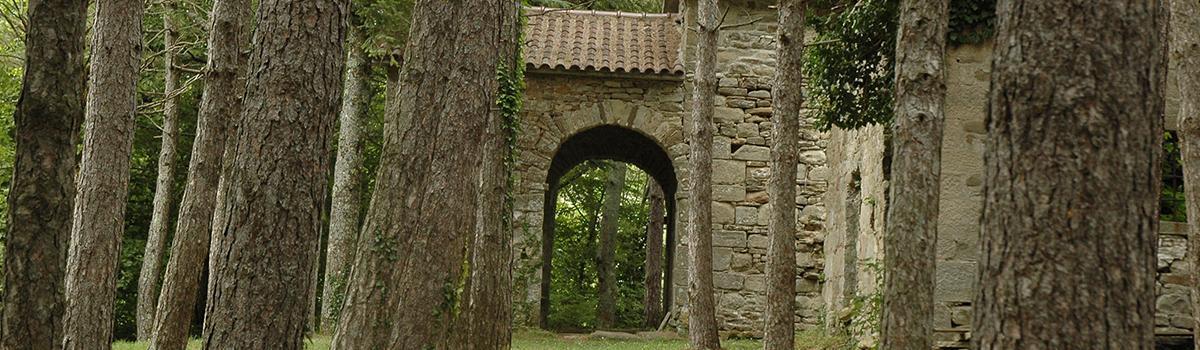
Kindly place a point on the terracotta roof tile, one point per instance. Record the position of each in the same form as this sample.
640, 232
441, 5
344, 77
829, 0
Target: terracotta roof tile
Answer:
603, 41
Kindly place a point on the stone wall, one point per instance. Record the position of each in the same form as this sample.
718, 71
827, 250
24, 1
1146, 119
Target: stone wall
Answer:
1174, 310
746, 67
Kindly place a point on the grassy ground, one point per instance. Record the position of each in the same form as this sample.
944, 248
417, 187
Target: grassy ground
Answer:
540, 340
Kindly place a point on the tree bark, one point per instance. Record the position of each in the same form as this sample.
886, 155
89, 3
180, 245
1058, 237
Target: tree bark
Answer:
911, 234
702, 318
42, 192
788, 94
1185, 57
157, 237
347, 180
606, 250
276, 187
489, 307
224, 82
99, 218
403, 288
1072, 161
652, 302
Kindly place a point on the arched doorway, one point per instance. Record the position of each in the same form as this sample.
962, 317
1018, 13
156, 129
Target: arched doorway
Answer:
608, 142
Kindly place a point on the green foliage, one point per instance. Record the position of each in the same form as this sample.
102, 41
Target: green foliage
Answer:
850, 68
1173, 203
385, 24
574, 277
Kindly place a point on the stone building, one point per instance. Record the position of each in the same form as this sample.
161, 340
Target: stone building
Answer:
610, 85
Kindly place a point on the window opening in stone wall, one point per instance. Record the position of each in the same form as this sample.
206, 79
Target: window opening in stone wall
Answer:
1172, 205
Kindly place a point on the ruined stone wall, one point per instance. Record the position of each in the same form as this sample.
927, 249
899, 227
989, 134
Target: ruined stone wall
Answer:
968, 74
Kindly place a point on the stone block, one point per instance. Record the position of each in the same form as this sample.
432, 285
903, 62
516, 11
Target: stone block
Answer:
740, 103
722, 213
747, 130
729, 193
747, 215
728, 281
732, 91
756, 283
754, 153
758, 241
955, 281
741, 262
722, 258
760, 197
812, 157
730, 239
728, 115
760, 94
728, 171
761, 111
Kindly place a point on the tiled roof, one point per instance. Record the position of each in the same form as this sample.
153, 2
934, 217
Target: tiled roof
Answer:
601, 41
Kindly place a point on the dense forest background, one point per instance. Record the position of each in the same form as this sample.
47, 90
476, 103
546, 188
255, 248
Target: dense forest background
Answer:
579, 206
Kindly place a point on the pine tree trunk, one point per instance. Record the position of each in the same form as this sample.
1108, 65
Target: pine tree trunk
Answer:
224, 81
403, 291
652, 306
702, 312
276, 188
788, 96
347, 180
157, 237
606, 250
911, 233
99, 218
1072, 179
42, 191
1185, 57
489, 307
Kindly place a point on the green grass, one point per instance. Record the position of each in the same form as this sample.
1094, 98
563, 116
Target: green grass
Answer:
542, 340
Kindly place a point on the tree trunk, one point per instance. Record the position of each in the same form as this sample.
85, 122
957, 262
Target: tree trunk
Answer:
157, 237
42, 192
276, 187
99, 218
1185, 57
652, 302
403, 291
788, 96
702, 318
911, 234
1070, 214
606, 250
489, 306
224, 81
347, 180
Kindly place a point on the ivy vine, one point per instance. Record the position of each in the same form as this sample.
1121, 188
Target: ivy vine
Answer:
850, 66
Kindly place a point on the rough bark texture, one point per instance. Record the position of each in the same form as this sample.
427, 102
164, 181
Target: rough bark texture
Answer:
702, 311
489, 306
402, 291
1070, 214
911, 234
606, 250
788, 96
43, 184
347, 180
276, 188
224, 81
1185, 58
157, 237
99, 217
652, 306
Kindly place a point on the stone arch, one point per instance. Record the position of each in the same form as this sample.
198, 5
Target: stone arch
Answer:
608, 142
